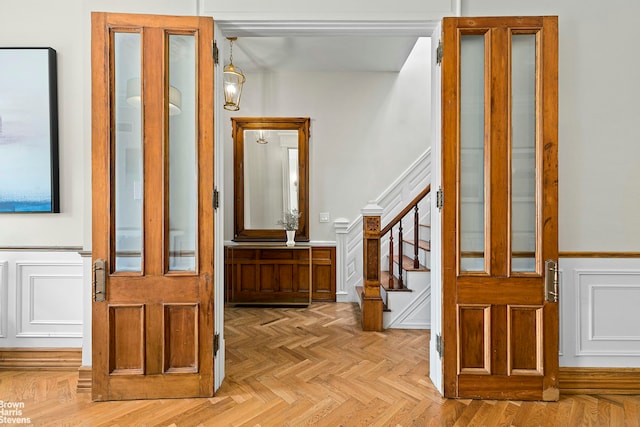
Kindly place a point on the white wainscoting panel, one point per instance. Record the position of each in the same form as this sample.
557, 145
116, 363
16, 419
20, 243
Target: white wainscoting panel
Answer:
43, 306
609, 316
4, 297
87, 301
341, 227
600, 312
49, 299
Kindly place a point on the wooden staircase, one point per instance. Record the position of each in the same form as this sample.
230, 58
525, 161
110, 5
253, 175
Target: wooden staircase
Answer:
396, 293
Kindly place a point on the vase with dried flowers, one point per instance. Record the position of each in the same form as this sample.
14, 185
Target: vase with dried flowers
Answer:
290, 222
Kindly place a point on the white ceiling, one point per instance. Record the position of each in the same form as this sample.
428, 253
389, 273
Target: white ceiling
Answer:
322, 45
321, 53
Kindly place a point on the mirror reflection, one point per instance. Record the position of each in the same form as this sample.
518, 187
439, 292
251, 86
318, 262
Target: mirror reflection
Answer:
270, 176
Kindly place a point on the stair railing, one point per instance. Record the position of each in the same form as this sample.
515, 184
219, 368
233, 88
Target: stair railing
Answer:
416, 237
372, 304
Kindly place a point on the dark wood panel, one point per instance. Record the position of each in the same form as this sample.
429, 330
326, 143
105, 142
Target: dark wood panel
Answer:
152, 289
269, 273
287, 280
126, 339
267, 278
280, 274
373, 252
304, 277
525, 340
180, 342
324, 273
520, 291
518, 387
246, 278
474, 324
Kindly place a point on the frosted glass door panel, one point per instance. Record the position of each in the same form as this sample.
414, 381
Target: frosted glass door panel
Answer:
183, 162
128, 169
523, 153
472, 151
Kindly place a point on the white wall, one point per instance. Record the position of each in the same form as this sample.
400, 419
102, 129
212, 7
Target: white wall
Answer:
39, 23
598, 132
41, 302
366, 129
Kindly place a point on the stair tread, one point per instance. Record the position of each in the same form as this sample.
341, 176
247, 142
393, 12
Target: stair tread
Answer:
425, 225
422, 244
384, 282
407, 264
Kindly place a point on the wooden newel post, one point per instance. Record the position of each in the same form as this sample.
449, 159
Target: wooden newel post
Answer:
371, 300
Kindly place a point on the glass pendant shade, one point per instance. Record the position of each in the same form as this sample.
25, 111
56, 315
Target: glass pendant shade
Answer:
134, 99
233, 81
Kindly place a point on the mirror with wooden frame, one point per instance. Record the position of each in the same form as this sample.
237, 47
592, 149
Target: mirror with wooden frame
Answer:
271, 176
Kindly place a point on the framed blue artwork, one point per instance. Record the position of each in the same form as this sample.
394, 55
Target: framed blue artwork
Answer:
28, 130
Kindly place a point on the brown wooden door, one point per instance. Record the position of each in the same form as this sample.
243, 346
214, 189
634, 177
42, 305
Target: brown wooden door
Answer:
500, 219
152, 150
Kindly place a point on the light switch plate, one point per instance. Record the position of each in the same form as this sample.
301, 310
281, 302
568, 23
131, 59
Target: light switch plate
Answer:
324, 216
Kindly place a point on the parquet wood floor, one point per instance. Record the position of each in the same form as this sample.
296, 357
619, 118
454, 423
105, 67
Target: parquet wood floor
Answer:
310, 366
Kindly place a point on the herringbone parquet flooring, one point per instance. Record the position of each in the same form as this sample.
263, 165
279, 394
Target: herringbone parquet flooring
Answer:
310, 366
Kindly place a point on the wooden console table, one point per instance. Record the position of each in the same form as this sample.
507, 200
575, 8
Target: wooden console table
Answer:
265, 273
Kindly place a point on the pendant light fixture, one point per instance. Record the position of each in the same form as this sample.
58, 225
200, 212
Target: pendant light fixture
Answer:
233, 81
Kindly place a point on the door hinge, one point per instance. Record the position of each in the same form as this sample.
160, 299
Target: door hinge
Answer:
439, 52
216, 344
214, 51
439, 198
439, 345
216, 198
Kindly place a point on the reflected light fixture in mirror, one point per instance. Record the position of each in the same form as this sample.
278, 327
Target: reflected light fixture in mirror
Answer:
262, 137
134, 99
233, 82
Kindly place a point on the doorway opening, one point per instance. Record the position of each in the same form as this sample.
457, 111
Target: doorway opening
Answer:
273, 94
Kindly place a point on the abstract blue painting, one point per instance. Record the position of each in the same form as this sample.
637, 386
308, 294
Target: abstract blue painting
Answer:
28, 130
